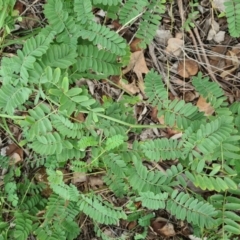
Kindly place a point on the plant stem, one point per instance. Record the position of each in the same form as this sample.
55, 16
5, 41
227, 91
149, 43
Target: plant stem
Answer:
125, 123
12, 117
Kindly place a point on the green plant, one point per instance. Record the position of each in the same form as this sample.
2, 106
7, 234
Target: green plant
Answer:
192, 16
38, 92
232, 9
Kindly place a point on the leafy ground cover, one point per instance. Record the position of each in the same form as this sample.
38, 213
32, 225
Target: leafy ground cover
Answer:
119, 119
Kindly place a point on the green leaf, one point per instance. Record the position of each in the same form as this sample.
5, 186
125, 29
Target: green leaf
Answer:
73, 92
79, 99
65, 84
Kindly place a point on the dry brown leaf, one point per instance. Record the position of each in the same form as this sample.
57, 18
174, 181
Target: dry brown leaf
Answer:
217, 53
189, 96
138, 65
95, 182
15, 158
213, 30
131, 88
132, 225
15, 153
219, 4
205, 107
236, 51
187, 68
79, 118
19, 7
175, 46
134, 46
14, 148
234, 65
179, 35
219, 37
162, 36
153, 114
169, 131
163, 227
79, 177
29, 21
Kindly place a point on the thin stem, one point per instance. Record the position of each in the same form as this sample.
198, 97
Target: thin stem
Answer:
125, 123
12, 117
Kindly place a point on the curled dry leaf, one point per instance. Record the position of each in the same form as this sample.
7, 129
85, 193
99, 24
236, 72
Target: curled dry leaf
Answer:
204, 106
187, 68
134, 46
175, 46
189, 96
163, 227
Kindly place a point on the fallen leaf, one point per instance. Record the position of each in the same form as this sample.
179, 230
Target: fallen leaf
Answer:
187, 68
163, 227
15, 158
219, 37
95, 182
29, 21
219, 4
175, 46
204, 106
236, 51
41, 177
213, 30
234, 65
18, 7
179, 35
189, 96
138, 65
153, 114
79, 177
131, 87
80, 118
132, 225
134, 46
217, 53
162, 36
14, 152
14, 148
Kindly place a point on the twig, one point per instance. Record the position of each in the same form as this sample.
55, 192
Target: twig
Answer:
28, 7
209, 68
160, 69
195, 45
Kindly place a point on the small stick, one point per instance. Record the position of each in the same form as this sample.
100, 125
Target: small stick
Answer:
160, 69
209, 68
